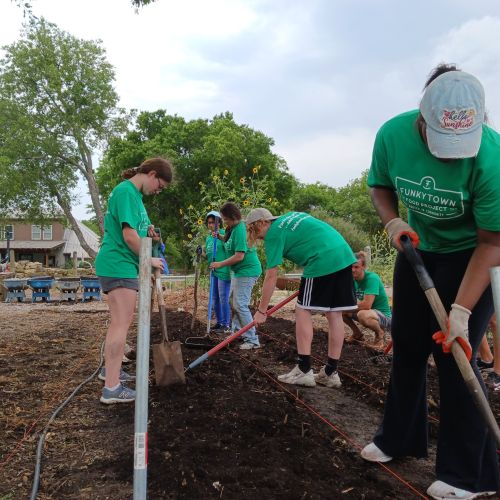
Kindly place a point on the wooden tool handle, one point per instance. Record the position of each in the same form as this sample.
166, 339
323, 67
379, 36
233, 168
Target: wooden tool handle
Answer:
161, 304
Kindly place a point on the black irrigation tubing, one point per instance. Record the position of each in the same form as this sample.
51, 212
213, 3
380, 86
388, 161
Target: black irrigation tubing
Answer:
41, 441
337, 429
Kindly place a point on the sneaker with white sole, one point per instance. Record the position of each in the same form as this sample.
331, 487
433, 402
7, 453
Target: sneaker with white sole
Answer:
124, 376
298, 377
332, 380
249, 345
122, 394
441, 490
373, 453
493, 381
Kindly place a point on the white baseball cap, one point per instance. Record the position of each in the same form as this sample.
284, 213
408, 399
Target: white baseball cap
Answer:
453, 110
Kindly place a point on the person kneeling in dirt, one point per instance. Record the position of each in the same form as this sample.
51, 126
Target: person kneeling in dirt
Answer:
326, 284
374, 311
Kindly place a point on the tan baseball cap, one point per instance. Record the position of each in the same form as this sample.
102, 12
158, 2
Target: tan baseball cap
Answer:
259, 214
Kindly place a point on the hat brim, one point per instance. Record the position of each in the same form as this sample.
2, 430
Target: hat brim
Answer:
274, 217
453, 146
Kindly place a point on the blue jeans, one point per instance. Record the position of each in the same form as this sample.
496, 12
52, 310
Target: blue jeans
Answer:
242, 293
221, 290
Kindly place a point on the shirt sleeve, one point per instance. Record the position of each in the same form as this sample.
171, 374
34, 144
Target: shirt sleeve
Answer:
126, 210
372, 285
274, 247
240, 239
486, 194
378, 174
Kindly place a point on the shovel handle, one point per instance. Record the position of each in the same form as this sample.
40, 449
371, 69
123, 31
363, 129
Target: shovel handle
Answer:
237, 334
161, 304
463, 364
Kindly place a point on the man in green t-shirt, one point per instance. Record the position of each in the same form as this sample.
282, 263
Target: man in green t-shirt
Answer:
373, 311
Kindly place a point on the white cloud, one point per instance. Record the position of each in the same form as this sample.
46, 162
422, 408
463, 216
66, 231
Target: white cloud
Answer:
331, 157
475, 47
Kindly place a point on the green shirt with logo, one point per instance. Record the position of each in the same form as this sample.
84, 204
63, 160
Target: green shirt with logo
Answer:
250, 266
222, 273
371, 284
115, 258
308, 242
447, 201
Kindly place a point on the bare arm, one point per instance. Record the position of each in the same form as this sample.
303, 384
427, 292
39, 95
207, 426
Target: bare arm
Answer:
268, 288
477, 276
366, 303
237, 257
385, 202
132, 239
267, 292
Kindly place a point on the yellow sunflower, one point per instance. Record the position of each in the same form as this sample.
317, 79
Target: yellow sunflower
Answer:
226, 172
255, 170
242, 180
245, 203
190, 236
200, 222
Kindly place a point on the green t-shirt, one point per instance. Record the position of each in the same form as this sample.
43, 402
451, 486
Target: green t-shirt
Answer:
222, 273
237, 242
371, 284
446, 201
115, 258
309, 242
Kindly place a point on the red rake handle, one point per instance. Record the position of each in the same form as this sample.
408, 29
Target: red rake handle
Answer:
237, 334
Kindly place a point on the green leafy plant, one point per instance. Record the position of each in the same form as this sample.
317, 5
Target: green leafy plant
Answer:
383, 257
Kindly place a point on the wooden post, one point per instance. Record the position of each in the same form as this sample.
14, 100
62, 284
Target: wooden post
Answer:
75, 263
12, 260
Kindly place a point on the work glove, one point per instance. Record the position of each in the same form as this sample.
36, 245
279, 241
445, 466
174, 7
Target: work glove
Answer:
458, 329
396, 228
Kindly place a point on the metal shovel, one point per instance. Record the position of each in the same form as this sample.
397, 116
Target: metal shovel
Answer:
463, 364
167, 356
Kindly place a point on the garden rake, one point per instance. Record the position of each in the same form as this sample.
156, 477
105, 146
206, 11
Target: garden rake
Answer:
463, 364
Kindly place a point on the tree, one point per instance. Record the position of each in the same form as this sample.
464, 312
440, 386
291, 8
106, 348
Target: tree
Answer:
200, 149
57, 109
308, 197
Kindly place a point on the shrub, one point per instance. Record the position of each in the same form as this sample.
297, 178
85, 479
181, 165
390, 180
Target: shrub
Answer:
383, 256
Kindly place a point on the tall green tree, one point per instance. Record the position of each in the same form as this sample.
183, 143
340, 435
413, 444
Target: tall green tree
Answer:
58, 108
199, 149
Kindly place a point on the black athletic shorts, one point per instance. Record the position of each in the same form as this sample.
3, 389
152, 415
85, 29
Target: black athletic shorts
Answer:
332, 292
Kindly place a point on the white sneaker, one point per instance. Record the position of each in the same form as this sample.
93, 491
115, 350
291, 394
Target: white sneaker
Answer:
332, 380
373, 453
442, 490
249, 345
297, 377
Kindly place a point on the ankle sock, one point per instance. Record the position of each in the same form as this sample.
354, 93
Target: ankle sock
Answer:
113, 388
331, 366
304, 362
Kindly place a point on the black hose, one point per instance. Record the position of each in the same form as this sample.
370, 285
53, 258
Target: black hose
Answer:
41, 441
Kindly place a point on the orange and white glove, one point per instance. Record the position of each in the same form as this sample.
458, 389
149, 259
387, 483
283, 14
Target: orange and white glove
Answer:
458, 329
396, 228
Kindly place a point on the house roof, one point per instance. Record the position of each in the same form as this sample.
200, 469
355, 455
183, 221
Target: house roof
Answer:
31, 245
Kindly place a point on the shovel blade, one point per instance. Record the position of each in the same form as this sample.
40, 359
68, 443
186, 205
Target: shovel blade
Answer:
169, 366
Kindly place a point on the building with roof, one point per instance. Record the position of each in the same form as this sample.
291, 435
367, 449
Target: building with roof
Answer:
52, 244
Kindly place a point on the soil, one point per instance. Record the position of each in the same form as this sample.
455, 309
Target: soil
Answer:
231, 432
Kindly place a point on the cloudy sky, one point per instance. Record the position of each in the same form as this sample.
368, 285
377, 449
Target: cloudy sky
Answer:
319, 76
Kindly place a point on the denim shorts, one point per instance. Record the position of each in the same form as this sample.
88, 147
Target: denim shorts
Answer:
108, 283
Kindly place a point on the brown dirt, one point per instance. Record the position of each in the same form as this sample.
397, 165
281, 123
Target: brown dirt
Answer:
231, 432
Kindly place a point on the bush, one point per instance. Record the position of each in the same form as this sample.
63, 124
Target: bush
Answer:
383, 257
